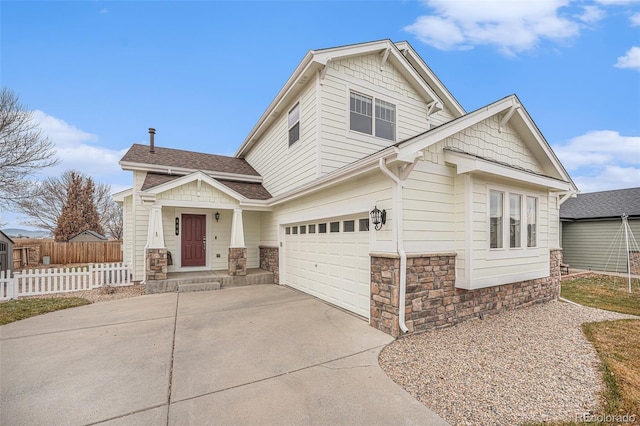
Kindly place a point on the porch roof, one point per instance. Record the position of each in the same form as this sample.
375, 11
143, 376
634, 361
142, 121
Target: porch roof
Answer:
250, 190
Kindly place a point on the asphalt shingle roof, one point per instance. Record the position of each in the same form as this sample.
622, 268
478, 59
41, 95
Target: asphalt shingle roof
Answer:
170, 157
251, 190
602, 204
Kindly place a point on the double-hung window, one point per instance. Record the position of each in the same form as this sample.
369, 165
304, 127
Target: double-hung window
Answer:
294, 124
532, 222
362, 114
515, 220
495, 219
522, 212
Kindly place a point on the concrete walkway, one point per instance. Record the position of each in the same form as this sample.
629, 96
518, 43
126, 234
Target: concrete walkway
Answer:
249, 355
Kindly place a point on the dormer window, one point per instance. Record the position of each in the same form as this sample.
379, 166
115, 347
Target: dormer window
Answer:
361, 116
294, 124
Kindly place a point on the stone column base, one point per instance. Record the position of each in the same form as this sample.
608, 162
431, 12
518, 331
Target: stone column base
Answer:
156, 264
237, 261
270, 261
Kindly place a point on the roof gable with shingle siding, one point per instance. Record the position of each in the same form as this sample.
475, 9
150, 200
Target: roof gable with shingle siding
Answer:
250, 190
602, 204
180, 159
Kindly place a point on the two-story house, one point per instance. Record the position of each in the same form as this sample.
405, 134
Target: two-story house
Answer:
366, 184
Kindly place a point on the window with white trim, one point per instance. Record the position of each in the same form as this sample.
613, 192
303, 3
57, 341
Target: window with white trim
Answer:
495, 219
294, 124
522, 211
515, 220
361, 114
532, 222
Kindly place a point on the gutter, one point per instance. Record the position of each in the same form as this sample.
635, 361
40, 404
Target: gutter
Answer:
398, 218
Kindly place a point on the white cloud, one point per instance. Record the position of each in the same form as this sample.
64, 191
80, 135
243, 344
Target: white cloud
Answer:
601, 160
635, 20
512, 26
591, 14
617, 2
630, 60
79, 150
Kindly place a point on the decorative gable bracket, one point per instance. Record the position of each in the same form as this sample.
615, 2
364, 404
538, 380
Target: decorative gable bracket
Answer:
385, 56
507, 116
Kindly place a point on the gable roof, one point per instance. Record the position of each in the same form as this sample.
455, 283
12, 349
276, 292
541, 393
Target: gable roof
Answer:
88, 232
316, 60
6, 237
603, 204
514, 112
250, 190
182, 162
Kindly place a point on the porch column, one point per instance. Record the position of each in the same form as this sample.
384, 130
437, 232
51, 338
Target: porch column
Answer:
237, 249
156, 253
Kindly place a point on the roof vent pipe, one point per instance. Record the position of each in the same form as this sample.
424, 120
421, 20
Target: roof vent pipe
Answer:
152, 133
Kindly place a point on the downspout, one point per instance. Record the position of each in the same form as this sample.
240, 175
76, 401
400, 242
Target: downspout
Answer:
397, 208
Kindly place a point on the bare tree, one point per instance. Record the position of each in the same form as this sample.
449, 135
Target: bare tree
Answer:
113, 221
24, 150
45, 207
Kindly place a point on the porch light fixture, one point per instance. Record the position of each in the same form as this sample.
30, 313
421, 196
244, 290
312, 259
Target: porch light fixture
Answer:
217, 216
378, 218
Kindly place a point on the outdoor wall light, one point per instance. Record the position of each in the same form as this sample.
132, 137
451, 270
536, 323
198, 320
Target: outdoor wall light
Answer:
217, 216
378, 218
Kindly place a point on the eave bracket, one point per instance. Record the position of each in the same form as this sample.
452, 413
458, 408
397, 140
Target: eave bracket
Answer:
507, 116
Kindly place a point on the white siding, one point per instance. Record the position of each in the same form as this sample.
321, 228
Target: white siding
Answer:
285, 167
189, 194
501, 266
353, 197
429, 206
141, 220
363, 74
127, 231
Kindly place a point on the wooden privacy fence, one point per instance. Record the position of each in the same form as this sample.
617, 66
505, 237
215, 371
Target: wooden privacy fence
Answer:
48, 281
75, 252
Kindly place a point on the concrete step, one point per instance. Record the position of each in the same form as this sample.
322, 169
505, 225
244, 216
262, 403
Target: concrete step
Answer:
252, 279
189, 288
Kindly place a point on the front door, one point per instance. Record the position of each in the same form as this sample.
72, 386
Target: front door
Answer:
194, 240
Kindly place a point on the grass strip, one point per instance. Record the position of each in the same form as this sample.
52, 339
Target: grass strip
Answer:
15, 310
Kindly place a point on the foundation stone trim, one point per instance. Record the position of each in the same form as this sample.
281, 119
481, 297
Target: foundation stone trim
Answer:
237, 261
270, 261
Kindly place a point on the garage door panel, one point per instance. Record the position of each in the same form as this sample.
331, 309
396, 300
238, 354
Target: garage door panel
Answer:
333, 266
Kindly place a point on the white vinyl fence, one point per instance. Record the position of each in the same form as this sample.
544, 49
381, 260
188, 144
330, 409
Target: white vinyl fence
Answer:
48, 281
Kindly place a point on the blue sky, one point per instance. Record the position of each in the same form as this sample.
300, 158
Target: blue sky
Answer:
97, 74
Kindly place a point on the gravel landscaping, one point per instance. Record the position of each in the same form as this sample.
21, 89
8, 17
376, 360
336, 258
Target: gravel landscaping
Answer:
99, 294
528, 365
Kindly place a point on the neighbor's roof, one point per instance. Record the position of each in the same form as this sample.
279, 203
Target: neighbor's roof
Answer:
88, 232
251, 190
602, 204
189, 160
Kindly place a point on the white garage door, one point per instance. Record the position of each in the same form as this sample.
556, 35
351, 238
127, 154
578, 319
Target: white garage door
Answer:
330, 259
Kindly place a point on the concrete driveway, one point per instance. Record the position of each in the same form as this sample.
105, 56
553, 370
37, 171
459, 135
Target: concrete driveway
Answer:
249, 355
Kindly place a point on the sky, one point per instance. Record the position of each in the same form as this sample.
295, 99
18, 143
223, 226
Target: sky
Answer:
98, 74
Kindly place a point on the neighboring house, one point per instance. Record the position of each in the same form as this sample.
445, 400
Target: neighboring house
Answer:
592, 233
6, 252
355, 130
90, 236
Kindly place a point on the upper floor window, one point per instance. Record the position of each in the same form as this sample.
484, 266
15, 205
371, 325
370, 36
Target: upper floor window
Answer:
294, 124
532, 222
361, 115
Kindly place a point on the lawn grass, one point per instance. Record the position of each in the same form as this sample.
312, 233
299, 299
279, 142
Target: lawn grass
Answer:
603, 292
15, 310
618, 345
616, 342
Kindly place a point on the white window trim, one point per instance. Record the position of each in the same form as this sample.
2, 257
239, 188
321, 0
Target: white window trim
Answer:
506, 251
298, 122
374, 96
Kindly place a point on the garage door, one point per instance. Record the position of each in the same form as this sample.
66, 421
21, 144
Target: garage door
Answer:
329, 259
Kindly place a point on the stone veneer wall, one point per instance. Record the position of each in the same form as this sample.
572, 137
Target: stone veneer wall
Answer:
237, 261
270, 261
433, 301
156, 264
634, 262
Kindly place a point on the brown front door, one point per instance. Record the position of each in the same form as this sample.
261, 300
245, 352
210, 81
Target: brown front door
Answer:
193, 240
